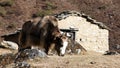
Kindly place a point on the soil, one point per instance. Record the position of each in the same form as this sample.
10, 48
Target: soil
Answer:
79, 61
106, 11
89, 60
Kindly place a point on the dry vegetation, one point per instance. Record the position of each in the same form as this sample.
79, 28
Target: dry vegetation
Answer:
78, 61
18, 11
93, 60
89, 60
13, 13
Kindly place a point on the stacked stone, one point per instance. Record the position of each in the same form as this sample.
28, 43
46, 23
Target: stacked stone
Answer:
65, 14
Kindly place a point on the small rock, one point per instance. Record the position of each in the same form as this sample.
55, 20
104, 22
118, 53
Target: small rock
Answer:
67, 62
111, 53
22, 65
92, 62
9, 44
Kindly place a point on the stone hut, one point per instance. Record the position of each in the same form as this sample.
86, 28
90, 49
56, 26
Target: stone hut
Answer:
92, 35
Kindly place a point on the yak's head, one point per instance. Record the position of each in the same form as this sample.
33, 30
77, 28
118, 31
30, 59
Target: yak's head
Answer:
61, 44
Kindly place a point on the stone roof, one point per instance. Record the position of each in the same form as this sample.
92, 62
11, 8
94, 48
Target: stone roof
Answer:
65, 14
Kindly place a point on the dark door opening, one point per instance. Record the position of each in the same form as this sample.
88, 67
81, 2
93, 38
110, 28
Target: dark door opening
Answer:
72, 32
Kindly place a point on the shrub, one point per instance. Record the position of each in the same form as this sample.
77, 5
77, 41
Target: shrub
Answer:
42, 13
2, 11
49, 6
6, 2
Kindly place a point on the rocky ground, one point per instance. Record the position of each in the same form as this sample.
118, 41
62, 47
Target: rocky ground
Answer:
89, 60
13, 13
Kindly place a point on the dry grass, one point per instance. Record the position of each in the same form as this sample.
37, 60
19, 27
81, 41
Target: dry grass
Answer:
106, 11
2, 11
78, 61
6, 2
90, 60
102, 10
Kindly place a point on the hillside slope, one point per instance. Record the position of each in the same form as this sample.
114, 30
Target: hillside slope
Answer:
13, 13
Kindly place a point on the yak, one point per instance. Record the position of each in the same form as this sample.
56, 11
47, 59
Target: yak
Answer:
39, 32
44, 34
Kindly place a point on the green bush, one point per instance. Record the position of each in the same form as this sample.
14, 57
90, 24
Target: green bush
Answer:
50, 6
2, 11
42, 13
6, 2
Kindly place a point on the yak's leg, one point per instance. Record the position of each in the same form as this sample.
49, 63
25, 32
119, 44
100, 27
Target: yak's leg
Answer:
21, 40
51, 48
24, 42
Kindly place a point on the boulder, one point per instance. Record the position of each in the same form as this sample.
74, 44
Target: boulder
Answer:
9, 45
29, 54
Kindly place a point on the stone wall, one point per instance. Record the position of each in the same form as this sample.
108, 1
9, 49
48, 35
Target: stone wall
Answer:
92, 35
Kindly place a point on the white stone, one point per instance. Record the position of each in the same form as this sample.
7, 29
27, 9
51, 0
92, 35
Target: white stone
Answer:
9, 44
